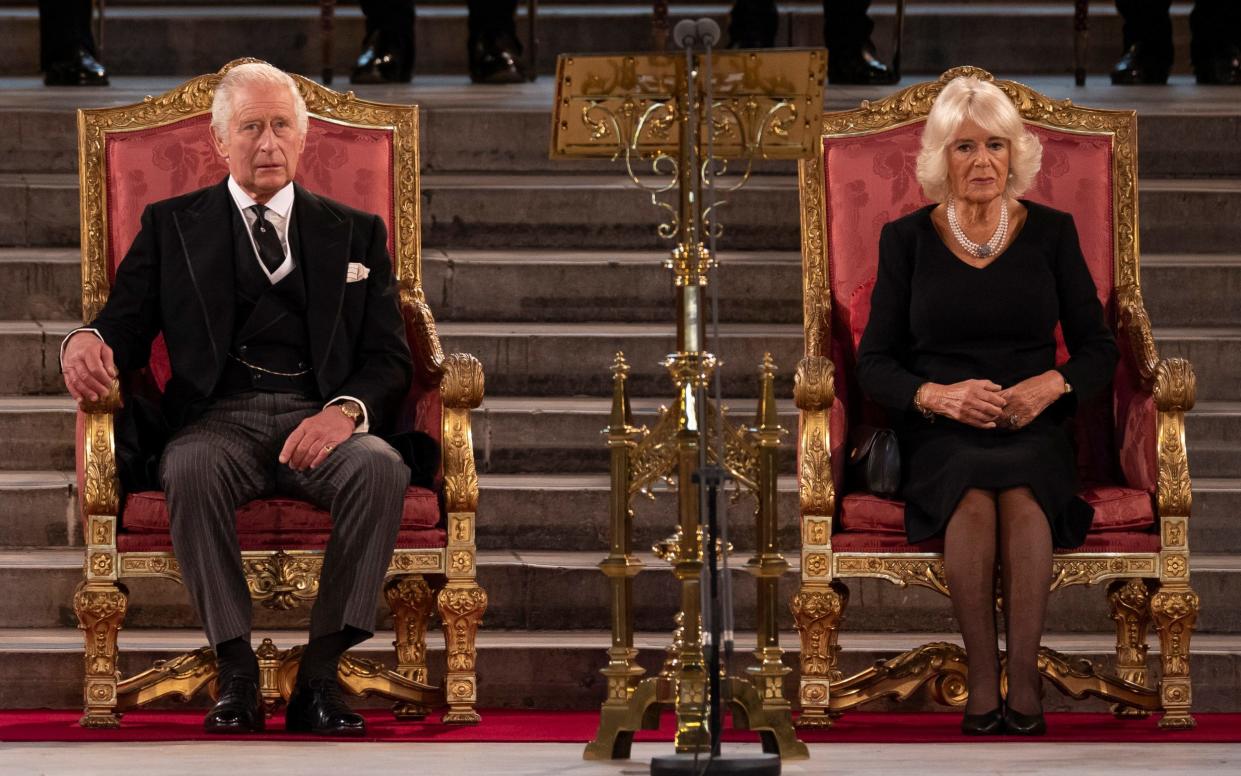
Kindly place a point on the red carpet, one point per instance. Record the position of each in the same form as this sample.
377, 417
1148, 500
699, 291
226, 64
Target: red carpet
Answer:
512, 726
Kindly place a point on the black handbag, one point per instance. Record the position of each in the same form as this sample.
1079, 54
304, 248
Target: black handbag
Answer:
875, 460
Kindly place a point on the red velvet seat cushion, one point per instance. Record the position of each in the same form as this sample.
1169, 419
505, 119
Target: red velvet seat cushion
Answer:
1115, 509
418, 539
147, 513
1107, 541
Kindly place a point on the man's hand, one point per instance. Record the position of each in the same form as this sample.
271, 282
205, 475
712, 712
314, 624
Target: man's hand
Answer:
315, 438
1027, 399
88, 367
977, 403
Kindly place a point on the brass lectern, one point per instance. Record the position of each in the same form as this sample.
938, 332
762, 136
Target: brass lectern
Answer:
649, 109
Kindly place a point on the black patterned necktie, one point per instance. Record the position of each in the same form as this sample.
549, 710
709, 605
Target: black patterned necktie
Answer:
271, 253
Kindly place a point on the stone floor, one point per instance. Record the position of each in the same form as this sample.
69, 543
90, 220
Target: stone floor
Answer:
332, 759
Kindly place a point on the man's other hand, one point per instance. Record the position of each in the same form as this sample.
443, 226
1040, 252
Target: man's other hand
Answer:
315, 438
88, 367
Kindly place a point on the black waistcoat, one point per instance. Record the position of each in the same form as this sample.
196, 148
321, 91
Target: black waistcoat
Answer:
270, 328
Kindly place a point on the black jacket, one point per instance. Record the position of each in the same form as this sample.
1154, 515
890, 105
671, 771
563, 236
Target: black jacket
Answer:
178, 278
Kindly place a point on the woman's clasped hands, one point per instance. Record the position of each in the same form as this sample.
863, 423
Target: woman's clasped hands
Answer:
985, 404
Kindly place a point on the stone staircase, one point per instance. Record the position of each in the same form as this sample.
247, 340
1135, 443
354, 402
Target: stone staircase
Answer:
543, 270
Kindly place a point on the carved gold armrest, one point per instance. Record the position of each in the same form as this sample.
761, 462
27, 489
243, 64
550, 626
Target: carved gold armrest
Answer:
424, 339
813, 393
100, 487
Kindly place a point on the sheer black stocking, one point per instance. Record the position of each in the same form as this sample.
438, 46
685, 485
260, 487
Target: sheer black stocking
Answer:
1025, 561
969, 564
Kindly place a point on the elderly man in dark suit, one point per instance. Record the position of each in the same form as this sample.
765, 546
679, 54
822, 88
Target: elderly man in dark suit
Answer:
287, 347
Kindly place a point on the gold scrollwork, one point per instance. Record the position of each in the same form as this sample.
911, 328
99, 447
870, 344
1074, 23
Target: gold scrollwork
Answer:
101, 489
814, 384
151, 566
1175, 385
816, 532
1173, 491
816, 493
282, 581
921, 571
461, 610
405, 560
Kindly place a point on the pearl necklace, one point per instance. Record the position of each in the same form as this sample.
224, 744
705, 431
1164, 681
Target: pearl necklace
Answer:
977, 250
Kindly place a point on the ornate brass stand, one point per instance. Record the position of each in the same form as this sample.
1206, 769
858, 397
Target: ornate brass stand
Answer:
643, 108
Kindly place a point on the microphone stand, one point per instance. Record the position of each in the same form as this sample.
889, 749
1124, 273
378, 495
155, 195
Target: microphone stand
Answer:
717, 592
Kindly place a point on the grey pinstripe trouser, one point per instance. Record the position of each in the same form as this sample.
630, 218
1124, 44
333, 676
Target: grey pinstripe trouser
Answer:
228, 457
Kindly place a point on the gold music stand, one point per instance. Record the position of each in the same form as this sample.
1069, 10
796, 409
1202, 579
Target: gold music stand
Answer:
649, 109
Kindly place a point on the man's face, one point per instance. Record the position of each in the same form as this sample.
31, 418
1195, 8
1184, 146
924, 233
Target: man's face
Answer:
263, 143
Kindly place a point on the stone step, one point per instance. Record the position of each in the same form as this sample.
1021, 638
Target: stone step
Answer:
527, 359
1185, 135
568, 285
559, 590
178, 40
564, 211
42, 668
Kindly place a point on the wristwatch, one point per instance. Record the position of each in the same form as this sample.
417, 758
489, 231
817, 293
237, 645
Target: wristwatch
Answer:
352, 410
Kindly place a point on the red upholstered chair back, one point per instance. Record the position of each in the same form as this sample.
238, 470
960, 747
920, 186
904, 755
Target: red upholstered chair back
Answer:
870, 179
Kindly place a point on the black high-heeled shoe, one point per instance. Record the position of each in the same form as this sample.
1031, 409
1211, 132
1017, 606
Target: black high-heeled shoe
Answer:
1019, 724
989, 723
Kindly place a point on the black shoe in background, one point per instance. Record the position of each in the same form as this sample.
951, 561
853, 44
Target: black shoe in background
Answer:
239, 709
1222, 69
82, 70
378, 64
1138, 66
496, 60
859, 66
319, 707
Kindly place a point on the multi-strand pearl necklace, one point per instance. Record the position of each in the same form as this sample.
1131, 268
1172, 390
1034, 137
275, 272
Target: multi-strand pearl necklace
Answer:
979, 250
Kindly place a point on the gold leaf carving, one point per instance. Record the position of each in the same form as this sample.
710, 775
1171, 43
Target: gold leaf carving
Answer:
1173, 491
813, 384
282, 581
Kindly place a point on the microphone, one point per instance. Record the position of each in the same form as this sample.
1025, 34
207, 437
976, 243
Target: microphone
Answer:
708, 32
685, 33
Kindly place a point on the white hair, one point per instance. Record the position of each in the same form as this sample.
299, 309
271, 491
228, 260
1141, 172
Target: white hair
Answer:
249, 75
988, 107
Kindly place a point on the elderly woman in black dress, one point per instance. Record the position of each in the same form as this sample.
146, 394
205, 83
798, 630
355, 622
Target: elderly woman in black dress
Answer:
961, 349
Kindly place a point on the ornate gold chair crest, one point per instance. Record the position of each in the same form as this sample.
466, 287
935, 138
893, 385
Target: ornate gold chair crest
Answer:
1130, 443
364, 154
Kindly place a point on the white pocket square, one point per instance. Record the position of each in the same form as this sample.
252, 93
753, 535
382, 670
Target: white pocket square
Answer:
357, 271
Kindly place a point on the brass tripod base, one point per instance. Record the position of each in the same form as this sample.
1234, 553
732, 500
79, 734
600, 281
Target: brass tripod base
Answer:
186, 675
619, 721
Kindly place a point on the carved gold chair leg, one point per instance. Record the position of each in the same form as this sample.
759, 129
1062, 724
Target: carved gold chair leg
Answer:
818, 610
100, 608
1174, 608
412, 602
1130, 602
461, 606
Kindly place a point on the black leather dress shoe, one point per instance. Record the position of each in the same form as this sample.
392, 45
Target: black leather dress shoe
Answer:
378, 65
319, 708
1139, 66
82, 70
495, 62
1018, 724
238, 710
858, 67
1222, 69
990, 723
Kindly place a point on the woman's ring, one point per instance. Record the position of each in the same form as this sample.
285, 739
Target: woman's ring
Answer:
1014, 420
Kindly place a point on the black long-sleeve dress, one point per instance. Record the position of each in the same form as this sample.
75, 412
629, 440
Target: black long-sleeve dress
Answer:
935, 318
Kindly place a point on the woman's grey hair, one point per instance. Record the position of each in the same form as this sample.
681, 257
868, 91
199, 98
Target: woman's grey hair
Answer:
248, 75
988, 107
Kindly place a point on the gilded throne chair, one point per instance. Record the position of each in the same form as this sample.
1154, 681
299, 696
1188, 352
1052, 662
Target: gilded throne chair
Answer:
1130, 443
364, 154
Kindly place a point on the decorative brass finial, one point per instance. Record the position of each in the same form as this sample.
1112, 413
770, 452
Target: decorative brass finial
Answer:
620, 367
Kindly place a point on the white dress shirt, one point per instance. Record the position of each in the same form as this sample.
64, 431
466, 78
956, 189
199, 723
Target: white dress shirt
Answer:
279, 210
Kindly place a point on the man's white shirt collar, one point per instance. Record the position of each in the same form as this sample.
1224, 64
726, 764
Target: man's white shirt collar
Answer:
281, 203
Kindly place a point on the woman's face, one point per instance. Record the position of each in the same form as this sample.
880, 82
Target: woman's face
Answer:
977, 163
